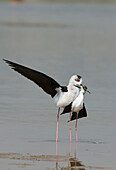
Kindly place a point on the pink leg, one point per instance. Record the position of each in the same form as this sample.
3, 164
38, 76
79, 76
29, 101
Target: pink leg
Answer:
75, 150
69, 149
70, 127
56, 148
57, 124
70, 134
76, 128
56, 165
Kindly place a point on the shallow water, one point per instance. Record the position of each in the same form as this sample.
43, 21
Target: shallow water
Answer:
59, 40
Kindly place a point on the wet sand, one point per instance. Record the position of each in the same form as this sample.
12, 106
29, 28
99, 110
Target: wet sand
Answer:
31, 161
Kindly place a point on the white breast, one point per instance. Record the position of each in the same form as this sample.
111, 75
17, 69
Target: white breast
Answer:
77, 105
63, 99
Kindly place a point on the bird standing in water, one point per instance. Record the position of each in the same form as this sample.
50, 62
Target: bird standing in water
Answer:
62, 95
77, 107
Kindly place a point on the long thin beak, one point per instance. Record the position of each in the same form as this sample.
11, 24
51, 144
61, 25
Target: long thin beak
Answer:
89, 92
77, 86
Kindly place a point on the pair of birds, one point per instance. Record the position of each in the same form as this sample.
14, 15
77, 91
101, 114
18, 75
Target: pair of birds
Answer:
68, 97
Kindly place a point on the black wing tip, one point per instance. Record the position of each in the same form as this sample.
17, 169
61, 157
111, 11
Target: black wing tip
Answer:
8, 62
62, 113
82, 114
67, 109
11, 64
5, 60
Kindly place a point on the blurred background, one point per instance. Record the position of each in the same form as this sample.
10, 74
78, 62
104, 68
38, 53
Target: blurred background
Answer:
59, 38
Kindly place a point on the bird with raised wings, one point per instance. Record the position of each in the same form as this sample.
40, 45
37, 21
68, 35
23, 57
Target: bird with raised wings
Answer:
62, 95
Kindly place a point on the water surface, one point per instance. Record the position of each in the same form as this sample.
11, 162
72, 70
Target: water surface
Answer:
59, 40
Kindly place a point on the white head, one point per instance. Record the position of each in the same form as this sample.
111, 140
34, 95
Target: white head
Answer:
75, 80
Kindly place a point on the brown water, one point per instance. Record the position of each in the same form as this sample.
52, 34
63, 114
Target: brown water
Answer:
60, 40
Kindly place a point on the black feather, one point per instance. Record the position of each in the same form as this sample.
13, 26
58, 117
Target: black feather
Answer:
64, 89
82, 113
67, 109
47, 83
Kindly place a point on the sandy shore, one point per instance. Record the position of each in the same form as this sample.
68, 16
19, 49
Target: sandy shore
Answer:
27, 160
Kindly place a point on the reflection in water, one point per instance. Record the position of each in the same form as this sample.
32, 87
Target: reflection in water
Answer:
56, 155
19, 159
75, 164
84, 36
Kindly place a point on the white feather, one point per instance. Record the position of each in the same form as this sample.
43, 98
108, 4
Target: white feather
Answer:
77, 104
63, 99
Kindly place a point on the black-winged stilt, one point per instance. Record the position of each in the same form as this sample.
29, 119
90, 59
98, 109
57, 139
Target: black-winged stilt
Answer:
77, 107
62, 95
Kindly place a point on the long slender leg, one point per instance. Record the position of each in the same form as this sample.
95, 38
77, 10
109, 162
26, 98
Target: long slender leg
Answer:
76, 128
75, 150
57, 124
69, 149
56, 155
70, 133
70, 127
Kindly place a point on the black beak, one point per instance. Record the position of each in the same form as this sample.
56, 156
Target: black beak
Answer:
77, 86
89, 92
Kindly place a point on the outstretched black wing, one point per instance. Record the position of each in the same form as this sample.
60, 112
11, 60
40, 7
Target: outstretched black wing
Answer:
47, 83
